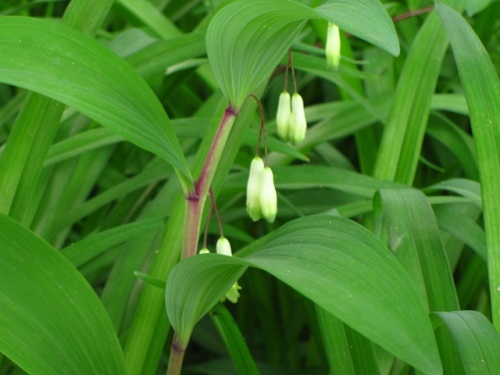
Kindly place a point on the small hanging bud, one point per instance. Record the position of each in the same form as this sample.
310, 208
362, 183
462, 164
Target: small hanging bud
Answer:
223, 247
268, 198
254, 187
283, 115
332, 47
298, 124
204, 251
232, 295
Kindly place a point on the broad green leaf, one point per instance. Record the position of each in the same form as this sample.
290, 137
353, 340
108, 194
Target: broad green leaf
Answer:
482, 91
337, 264
51, 321
247, 39
476, 340
414, 238
65, 65
366, 19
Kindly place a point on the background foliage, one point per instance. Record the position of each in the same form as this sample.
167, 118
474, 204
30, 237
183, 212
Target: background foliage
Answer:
385, 254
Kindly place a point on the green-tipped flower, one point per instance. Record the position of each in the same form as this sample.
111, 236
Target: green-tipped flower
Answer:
204, 251
332, 47
223, 247
254, 187
268, 198
233, 294
283, 115
298, 124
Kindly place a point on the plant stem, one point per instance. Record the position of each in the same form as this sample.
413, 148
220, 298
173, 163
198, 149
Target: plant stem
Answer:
176, 357
195, 200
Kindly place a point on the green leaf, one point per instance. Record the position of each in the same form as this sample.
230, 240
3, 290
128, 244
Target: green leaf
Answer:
337, 264
247, 39
476, 340
234, 340
482, 92
51, 321
65, 65
366, 19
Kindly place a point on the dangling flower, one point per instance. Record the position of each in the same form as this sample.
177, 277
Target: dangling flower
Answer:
204, 251
332, 47
283, 115
298, 124
254, 187
224, 247
268, 198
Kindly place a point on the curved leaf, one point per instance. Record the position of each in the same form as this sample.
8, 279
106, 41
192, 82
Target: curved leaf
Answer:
477, 341
482, 91
366, 19
336, 263
247, 39
51, 321
65, 65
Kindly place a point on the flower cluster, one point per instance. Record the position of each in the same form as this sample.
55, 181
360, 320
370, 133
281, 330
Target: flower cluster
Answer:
262, 200
291, 118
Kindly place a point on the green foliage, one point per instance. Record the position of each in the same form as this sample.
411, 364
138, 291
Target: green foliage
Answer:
117, 122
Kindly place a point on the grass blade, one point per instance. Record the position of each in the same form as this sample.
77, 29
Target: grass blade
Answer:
482, 91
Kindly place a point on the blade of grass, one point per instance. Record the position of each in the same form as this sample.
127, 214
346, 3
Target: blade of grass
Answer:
482, 91
404, 130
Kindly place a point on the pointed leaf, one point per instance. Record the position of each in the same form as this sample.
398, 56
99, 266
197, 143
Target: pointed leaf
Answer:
336, 263
477, 341
366, 19
247, 39
65, 65
482, 92
51, 321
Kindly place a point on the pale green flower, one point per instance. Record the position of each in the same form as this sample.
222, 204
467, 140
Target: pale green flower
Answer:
268, 197
223, 247
298, 124
204, 251
254, 187
283, 115
233, 294
332, 47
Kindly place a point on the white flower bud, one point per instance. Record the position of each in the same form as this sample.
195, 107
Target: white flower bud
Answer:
223, 247
204, 251
254, 187
298, 124
268, 198
283, 115
332, 47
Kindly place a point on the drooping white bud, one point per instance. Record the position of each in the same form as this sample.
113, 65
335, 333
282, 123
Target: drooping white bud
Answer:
223, 247
253, 188
332, 47
268, 197
283, 115
298, 124
204, 251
